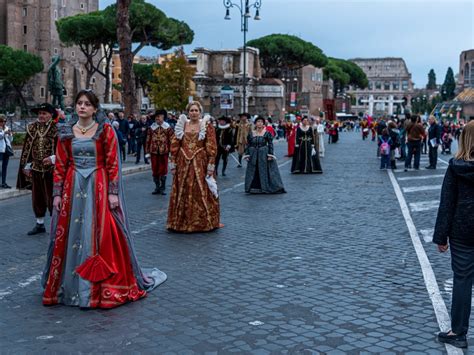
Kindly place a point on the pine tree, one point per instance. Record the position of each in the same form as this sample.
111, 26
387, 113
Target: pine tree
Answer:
431, 80
449, 85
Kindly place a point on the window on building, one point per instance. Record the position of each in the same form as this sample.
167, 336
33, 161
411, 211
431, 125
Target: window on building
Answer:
56, 51
73, 54
25, 30
55, 14
82, 6
466, 73
378, 85
405, 85
120, 76
64, 3
93, 80
386, 86
370, 67
396, 85
64, 70
25, 11
64, 92
42, 91
113, 75
25, 48
370, 86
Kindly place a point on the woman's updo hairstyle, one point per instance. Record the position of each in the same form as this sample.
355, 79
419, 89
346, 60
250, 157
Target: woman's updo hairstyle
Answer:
194, 103
93, 99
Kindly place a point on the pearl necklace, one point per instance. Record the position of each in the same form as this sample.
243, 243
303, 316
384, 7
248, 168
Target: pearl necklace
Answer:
85, 129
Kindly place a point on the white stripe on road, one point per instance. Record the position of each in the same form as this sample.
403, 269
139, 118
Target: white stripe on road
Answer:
421, 188
401, 169
420, 177
427, 235
424, 206
439, 306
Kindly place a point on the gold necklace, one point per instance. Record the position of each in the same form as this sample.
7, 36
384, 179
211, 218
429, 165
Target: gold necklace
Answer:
85, 129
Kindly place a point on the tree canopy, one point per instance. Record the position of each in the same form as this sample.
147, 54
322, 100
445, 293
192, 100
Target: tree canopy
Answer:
279, 51
144, 75
17, 67
356, 75
449, 85
92, 32
171, 86
151, 27
431, 80
334, 71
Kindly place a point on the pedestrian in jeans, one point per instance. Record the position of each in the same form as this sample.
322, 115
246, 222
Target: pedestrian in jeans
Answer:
455, 225
384, 144
434, 140
415, 134
6, 150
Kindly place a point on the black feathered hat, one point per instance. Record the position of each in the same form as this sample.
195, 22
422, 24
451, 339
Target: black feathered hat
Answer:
260, 118
46, 107
160, 112
224, 118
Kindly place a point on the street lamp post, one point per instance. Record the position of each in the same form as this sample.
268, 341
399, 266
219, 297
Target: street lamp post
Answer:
244, 8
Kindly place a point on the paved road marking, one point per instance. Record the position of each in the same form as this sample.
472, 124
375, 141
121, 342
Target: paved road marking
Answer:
421, 188
420, 177
424, 205
439, 306
427, 235
401, 169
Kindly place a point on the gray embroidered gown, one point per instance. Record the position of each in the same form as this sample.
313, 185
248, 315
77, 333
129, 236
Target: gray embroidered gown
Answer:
262, 175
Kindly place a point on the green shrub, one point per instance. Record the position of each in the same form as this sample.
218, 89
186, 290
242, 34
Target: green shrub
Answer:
18, 139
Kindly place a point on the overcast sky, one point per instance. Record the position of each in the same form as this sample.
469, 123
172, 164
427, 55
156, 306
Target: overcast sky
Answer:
426, 33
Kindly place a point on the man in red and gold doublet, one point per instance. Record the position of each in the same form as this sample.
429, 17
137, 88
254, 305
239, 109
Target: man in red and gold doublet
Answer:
158, 142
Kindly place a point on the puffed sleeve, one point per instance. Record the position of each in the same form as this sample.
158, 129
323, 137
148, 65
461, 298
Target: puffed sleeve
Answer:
61, 166
110, 144
211, 147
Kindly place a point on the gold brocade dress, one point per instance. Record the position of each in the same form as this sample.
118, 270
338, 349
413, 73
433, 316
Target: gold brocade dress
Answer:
193, 207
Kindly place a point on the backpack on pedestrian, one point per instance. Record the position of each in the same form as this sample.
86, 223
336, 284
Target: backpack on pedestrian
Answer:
384, 146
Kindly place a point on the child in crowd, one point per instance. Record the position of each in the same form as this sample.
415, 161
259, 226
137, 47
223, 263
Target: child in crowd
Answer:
384, 146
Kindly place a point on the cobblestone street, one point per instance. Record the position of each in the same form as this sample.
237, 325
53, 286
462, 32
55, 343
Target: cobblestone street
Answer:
328, 267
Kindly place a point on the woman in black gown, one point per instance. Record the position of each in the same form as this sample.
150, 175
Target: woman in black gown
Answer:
262, 175
306, 157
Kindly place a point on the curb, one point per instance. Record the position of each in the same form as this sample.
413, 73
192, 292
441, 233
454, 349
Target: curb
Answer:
12, 193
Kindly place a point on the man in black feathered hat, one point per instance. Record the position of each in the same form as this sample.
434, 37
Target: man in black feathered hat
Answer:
37, 162
225, 142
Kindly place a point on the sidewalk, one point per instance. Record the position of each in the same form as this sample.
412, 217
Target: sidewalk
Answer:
129, 167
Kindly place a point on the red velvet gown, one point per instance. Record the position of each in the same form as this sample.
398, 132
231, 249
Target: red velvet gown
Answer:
91, 262
292, 141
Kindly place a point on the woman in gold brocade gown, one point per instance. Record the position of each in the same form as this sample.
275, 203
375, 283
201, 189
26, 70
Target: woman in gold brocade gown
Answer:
193, 206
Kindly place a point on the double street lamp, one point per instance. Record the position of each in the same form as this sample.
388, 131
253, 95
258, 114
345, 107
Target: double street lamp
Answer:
244, 7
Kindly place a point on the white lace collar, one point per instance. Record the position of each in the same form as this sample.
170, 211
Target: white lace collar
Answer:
179, 129
304, 129
155, 125
227, 125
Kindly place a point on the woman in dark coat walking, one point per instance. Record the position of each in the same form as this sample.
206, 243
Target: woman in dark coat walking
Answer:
455, 224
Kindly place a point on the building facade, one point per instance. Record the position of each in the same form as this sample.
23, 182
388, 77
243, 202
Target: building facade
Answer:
390, 87
30, 25
466, 69
220, 69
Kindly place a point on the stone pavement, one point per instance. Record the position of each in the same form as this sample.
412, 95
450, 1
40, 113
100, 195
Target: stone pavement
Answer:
326, 268
129, 167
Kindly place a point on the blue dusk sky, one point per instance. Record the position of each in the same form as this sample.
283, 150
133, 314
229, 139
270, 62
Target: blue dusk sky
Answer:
426, 33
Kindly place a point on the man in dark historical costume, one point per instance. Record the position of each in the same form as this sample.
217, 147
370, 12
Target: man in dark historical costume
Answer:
243, 129
158, 142
37, 163
306, 157
225, 142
